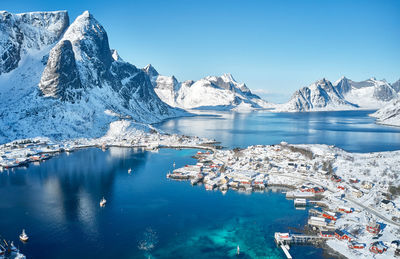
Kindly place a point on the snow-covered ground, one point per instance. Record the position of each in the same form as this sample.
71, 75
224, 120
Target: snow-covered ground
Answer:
122, 133
389, 114
358, 189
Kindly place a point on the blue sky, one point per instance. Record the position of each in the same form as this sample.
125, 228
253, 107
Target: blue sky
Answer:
273, 46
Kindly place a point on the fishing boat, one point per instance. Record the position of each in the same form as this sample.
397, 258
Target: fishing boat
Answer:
23, 237
129, 170
103, 202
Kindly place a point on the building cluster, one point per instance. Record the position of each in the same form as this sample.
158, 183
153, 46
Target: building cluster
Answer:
323, 176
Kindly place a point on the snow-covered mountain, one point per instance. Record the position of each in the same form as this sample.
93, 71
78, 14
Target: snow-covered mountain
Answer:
63, 81
321, 95
212, 92
370, 93
389, 114
396, 86
344, 94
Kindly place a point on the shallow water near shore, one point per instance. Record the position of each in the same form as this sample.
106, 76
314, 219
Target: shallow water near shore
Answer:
147, 215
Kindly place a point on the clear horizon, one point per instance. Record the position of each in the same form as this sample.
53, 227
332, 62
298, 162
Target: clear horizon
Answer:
275, 48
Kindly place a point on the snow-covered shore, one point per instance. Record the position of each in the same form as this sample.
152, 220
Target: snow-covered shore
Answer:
121, 133
354, 190
357, 190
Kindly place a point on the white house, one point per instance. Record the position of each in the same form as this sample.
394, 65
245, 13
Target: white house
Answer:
387, 205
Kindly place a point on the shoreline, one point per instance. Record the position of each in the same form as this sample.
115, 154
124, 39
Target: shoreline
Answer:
296, 168
312, 171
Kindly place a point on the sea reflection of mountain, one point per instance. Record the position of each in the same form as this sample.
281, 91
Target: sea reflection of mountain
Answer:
76, 181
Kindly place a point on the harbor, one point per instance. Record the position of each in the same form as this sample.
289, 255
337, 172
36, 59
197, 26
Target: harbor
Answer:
311, 175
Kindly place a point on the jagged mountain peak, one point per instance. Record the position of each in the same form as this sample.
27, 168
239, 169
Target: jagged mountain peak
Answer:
228, 77
91, 48
341, 79
211, 92
69, 80
342, 94
150, 70
115, 55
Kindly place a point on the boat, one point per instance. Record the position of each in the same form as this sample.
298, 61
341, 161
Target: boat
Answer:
2, 250
13, 248
23, 237
129, 171
103, 202
300, 202
238, 250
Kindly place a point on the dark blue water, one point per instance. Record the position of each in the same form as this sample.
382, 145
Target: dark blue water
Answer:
145, 215
351, 130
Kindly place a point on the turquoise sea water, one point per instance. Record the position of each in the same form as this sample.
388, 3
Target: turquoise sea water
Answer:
147, 215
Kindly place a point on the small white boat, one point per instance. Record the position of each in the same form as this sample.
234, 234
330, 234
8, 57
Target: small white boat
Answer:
174, 164
13, 247
238, 250
129, 170
23, 237
103, 202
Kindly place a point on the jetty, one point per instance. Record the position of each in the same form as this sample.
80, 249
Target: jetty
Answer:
284, 240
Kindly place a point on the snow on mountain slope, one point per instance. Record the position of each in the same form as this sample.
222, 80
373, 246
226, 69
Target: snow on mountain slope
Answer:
389, 114
22, 33
396, 86
370, 93
319, 96
344, 94
74, 86
212, 92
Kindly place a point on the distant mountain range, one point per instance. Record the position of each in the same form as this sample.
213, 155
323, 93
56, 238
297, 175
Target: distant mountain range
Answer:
344, 94
211, 92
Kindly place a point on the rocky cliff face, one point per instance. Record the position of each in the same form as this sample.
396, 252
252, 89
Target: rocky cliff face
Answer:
22, 33
396, 86
60, 78
69, 82
320, 95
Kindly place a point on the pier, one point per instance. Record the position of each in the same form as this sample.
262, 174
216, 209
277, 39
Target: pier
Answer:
283, 240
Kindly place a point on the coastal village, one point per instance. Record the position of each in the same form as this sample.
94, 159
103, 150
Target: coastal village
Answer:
352, 199
354, 204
